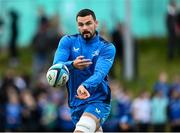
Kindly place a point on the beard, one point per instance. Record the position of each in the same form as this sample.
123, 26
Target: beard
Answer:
87, 35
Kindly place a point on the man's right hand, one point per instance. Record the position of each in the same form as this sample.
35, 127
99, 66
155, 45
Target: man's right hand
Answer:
81, 63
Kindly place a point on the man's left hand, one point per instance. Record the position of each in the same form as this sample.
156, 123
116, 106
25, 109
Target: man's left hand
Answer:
82, 92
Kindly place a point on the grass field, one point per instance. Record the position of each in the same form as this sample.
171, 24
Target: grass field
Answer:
152, 58
25, 56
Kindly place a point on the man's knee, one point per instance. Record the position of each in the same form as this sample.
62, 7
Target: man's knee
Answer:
100, 130
86, 124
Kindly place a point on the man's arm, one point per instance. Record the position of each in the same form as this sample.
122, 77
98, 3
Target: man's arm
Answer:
63, 52
102, 67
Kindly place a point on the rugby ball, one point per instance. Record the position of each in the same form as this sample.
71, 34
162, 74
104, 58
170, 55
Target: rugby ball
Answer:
57, 75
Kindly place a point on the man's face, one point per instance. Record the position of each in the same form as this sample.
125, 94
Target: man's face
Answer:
87, 26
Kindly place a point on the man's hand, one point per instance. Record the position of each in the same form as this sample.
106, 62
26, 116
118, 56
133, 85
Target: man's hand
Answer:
81, 63
82, 93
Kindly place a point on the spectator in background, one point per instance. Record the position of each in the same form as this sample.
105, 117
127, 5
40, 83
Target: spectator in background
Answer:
113, 120
174, 111
124, 113
13, 110
65, 123
171, 29
104, 32
161, 84
176, 83
1, 30
120, 117
54, 34
2, 118
40, 44
8, 80
30, 112
49, 116
178, 32
159, 104
13, 51
117, 40
141, 111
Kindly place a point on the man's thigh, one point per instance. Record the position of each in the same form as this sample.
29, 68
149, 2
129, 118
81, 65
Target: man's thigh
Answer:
100, 110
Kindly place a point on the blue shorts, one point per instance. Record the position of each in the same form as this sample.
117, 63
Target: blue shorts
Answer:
98, 109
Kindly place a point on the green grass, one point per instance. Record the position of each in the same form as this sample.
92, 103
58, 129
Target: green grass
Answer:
152, 59
25, 59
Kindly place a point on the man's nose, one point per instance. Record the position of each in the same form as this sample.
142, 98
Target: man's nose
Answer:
84, 27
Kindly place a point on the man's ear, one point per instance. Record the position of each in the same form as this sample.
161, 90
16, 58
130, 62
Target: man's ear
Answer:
97, 23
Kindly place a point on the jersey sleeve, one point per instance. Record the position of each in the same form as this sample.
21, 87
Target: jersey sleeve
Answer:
102, 67
62, 52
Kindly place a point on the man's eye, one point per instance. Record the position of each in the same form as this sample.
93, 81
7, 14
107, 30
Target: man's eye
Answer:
80, 24
89, 23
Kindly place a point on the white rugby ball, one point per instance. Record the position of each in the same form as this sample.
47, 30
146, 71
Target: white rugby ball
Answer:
57, 75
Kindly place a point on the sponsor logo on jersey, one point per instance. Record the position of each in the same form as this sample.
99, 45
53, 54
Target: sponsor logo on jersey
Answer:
98, 111
75, 49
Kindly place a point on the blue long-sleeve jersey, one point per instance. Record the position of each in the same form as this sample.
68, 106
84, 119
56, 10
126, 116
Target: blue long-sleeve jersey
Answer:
94, 77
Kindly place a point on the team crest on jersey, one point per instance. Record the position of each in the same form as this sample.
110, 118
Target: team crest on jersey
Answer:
95, 53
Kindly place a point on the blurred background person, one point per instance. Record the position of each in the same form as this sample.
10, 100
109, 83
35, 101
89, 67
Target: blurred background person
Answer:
162, 84
54, 34
175, 83
1, 30
171, 29
103, 31
117, 40
65, 123
13, 110
174, 111
13, 46
30, 113
40, 44
121, 115
159, 108
141, 111
178, 32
